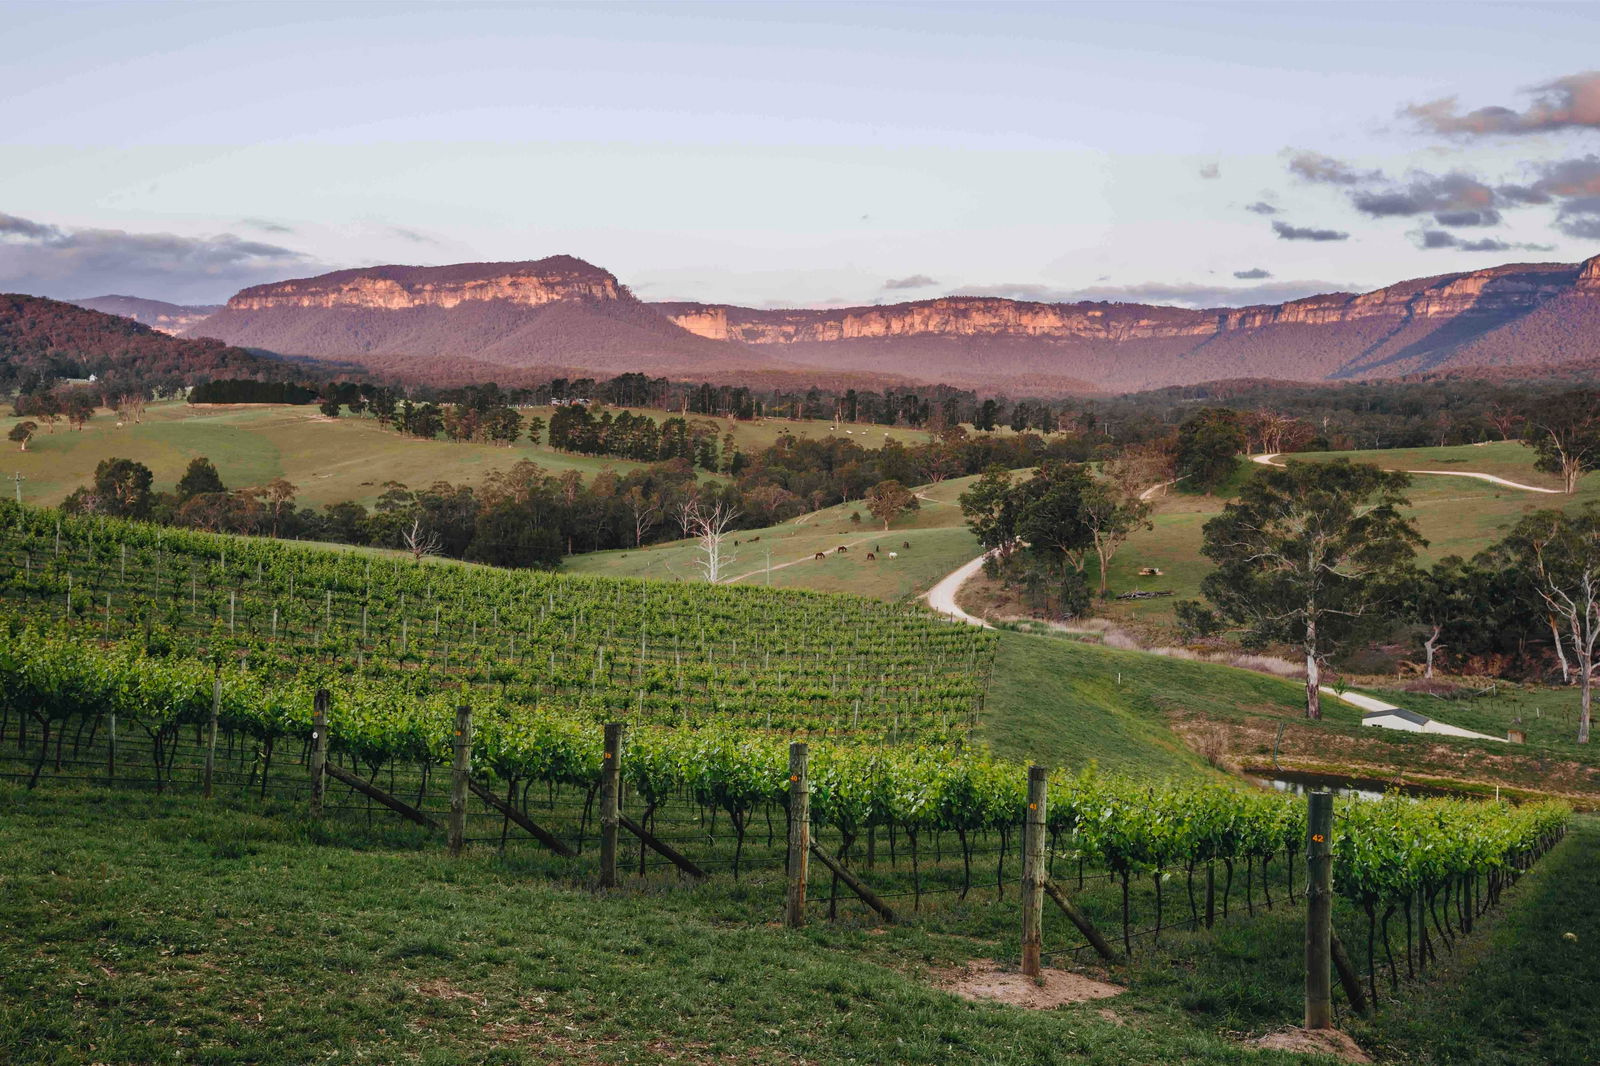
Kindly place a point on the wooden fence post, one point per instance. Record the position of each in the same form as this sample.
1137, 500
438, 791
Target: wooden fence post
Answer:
1319, 910
319, 752
111, 756
794, 909
610, 803
211, 731
1033, 872
460, 771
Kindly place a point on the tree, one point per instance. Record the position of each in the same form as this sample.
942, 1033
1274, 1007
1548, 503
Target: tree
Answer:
887, 500
200, 478
645, 511
23, 432
279, 494
1307, 553
989, 508
1439, 600
708, 524
1565, 433
122, 487
420, 541
1208, 447
329, 407
507, 535
1561, 554
79, 409
1114, 506
1050, 511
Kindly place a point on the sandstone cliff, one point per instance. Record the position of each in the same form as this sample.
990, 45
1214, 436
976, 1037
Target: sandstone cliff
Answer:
559, 313
563, 313
1452, 320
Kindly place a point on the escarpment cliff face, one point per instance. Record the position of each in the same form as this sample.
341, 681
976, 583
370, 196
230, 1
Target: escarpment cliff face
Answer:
559, 313
563, 314
558, 279
1449, 321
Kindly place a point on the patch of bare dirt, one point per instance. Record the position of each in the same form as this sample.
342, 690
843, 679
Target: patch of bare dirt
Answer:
1314, 1042
988, 982
441, 988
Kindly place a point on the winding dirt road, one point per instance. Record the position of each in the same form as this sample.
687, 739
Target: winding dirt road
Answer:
942, 597
1266, 459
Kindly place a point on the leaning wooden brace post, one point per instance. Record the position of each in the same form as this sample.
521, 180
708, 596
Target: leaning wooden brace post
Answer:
542, 835
460, 771
1096, 939
1319, 911
854, 884
794, 906
319, 751
1033, 872
610, 801
211, 731
1349, 980
400, 807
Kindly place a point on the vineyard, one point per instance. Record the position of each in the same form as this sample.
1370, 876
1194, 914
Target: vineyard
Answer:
132, 656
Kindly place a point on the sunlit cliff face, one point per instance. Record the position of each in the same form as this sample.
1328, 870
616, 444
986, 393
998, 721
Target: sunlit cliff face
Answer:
398, 288
1485, 291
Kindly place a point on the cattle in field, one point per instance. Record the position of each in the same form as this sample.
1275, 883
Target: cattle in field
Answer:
871, 557
894, 555
905, 544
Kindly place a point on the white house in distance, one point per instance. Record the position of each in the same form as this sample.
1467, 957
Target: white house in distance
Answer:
1412, 722
1388, 716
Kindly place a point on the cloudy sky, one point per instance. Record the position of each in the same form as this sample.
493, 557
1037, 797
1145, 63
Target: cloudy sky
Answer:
799, 154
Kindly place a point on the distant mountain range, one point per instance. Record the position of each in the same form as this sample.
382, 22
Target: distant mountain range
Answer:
157, 314
562, 314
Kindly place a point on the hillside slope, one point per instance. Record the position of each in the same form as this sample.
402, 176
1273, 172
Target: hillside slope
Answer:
157, 314
43, 339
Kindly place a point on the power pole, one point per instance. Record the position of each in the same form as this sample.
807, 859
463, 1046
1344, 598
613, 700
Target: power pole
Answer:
19, 479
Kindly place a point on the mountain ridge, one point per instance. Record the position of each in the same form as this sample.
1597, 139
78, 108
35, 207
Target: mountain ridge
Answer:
564, 312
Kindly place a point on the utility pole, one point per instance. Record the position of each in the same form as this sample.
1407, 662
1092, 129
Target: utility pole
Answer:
19, 479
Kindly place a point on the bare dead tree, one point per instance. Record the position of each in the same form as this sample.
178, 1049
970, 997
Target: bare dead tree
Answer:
708, 524
420, 542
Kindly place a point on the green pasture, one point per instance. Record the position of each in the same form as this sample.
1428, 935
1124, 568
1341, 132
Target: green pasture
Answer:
328, 459
785, 555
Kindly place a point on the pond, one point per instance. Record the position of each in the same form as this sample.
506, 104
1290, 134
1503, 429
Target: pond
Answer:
1300, 782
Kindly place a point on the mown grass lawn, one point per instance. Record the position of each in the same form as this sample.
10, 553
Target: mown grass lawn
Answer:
144, 929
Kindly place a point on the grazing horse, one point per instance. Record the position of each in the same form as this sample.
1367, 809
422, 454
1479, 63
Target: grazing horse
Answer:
820, 555
871, 557
905, 544
841, 549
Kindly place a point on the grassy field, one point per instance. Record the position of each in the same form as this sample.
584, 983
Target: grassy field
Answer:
1069, 702
1506, 459
347, 458
938, 542
1457, 516
1522, 990
141, 928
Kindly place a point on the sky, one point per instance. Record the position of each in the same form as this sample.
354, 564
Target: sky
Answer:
816, 154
